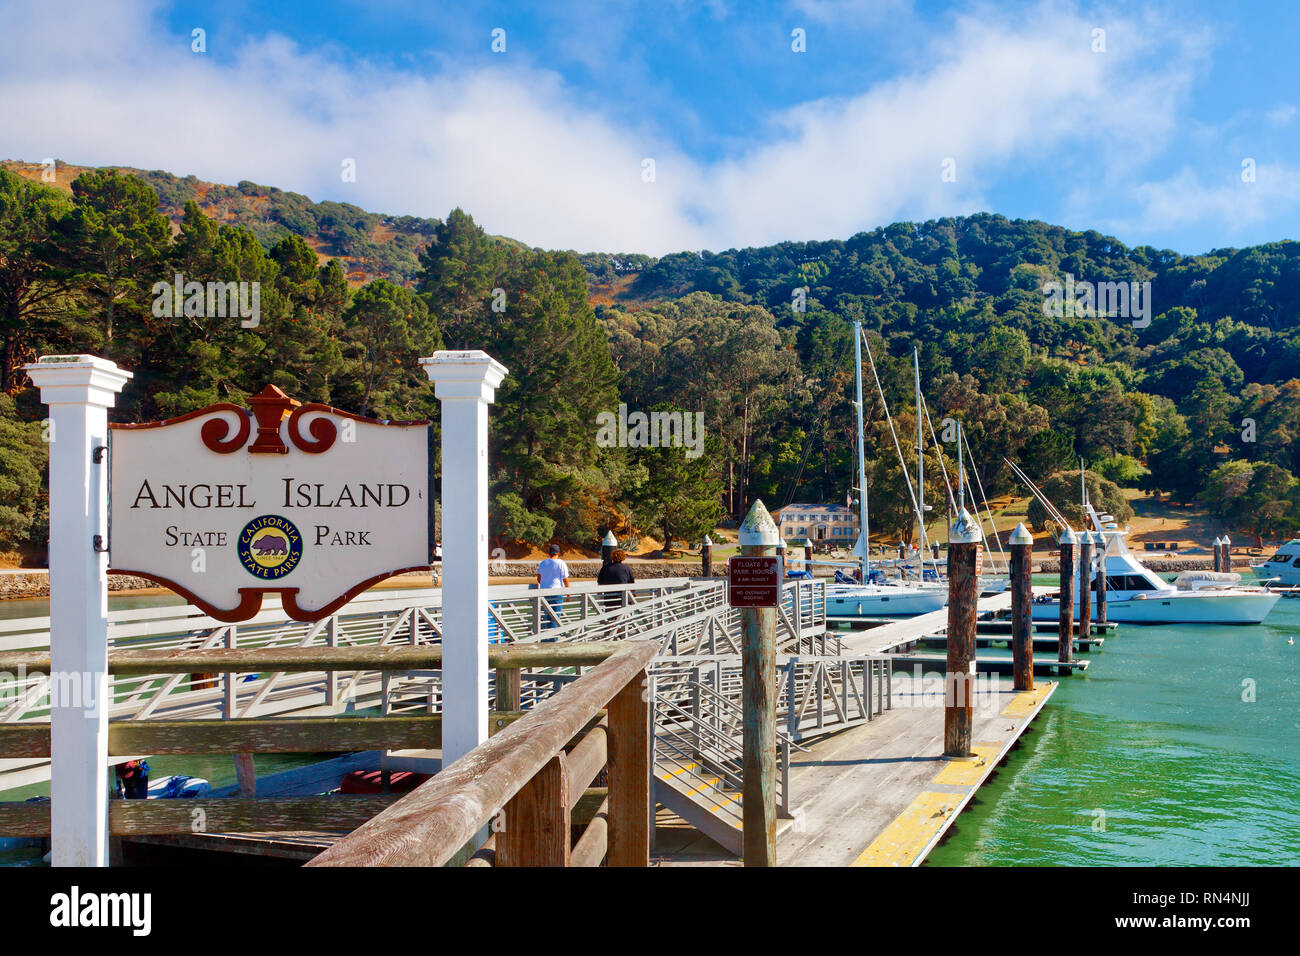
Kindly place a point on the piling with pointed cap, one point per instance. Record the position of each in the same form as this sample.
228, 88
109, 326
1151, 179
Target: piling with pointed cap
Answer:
963, 597
1218, 553
759, 536
1100, 579
1065, 645
807, 555
1021, 544
1227, 555
1085, 583
706, 557
607, 547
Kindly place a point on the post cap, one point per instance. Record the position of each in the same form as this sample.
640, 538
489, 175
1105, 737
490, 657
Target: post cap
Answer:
610, 540
707, 542
964, 529
1217, 541
71, 379
1227, 540
1021, 535
758, 528
465, 374
1067, 537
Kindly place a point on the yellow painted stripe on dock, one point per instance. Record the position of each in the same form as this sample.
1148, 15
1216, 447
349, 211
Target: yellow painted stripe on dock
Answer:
705, 786
901, 841
1025, 701
681, 770
966, 773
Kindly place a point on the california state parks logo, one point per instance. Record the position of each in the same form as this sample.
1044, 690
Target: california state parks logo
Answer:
269, 547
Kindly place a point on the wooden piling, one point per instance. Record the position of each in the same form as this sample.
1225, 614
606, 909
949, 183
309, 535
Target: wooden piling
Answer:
1066, 646
1227, 554
759, 536
808, 556
245, 775
1022, 598
963, 598
1101, 579
1217, 548
1085, 583
706, 557
607, 547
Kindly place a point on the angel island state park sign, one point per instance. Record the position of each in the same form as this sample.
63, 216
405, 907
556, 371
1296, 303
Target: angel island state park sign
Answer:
224, 506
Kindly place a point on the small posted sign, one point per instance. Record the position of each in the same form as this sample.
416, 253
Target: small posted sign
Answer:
755, 581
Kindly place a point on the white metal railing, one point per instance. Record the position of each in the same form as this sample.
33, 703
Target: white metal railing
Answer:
688, 617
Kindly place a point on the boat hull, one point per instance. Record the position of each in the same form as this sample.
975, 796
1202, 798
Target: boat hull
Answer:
884, 601
1181, 608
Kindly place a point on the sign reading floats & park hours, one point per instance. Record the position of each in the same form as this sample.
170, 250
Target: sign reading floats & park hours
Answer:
224, 506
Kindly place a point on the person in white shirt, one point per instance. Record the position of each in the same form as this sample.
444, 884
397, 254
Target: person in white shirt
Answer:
553, 573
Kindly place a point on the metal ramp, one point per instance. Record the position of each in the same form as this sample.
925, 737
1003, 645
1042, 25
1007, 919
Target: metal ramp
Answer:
699, 754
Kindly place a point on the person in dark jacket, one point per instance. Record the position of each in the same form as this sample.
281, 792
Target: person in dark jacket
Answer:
614, 571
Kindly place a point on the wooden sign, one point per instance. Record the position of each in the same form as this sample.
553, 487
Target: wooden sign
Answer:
754, 581
318, 506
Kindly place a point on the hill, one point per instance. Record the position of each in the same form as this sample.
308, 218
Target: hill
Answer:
1174, 373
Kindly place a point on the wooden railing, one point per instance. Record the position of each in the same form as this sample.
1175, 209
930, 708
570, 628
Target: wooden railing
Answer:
525, 783
598, 745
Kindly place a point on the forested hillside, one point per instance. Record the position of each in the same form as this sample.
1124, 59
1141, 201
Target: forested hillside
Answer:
1197, 396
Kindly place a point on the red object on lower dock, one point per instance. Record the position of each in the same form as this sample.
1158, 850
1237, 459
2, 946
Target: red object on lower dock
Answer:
371, 781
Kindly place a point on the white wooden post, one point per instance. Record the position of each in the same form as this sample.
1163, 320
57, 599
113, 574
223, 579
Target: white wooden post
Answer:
79, 389
465, 383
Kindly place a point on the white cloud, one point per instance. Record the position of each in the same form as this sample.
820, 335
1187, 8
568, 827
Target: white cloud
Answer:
513, 146
1186, 198
1281, 115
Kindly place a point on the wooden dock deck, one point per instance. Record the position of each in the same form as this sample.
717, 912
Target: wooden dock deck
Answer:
880, 794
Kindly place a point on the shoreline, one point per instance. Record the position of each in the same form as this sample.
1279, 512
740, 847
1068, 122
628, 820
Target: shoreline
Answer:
25, 584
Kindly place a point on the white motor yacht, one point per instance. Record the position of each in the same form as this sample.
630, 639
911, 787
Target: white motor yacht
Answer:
1283, 568
1136, 595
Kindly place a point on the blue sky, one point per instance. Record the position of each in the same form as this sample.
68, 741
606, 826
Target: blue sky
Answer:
1140, 132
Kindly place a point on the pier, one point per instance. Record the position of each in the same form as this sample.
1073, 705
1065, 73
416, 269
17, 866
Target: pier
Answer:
580, 726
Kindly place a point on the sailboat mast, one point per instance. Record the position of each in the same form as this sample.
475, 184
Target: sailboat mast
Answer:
862, 460
920, 461
961, 473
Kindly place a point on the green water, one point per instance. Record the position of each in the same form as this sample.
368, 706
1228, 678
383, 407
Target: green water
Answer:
1153, 758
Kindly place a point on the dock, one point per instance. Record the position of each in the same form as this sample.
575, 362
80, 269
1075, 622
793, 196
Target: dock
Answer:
884, 793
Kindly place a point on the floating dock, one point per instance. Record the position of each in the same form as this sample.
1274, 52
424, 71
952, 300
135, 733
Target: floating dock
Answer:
880, 794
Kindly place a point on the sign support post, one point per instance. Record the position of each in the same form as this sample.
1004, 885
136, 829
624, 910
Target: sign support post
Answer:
465, 383
757, 565
79, 389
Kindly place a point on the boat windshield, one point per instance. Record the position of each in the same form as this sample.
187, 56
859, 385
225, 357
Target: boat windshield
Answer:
1282, 557
1130, 582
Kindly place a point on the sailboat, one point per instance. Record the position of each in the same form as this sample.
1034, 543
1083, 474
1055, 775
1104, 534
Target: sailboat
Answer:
1137, 595
874, 596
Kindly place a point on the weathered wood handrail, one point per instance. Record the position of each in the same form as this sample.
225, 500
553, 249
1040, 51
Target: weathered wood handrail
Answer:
431, 825
306, 659
253, 735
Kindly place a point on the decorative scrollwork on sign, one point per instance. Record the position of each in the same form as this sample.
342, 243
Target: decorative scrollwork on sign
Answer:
216, 431
323, 431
